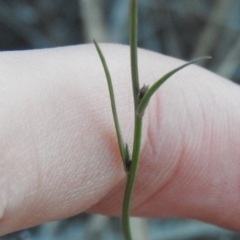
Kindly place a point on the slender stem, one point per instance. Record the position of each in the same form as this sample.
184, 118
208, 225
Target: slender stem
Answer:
133, 45
131, 176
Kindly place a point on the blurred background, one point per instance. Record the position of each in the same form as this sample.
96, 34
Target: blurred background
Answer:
181, 28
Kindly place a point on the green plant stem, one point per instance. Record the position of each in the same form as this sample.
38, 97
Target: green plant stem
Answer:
133, 48
131, 176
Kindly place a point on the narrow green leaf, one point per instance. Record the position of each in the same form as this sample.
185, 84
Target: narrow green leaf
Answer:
149, 93
123, 151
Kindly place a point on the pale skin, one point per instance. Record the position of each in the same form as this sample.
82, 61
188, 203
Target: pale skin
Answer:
58, 149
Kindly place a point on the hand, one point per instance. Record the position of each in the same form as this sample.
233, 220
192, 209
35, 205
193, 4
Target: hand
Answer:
59, 152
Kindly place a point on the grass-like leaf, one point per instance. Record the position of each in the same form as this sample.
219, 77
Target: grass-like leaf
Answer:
124, 151
149, 93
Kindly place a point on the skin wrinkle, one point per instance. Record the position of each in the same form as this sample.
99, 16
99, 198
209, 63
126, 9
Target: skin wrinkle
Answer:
147, 164
152, 125
228, 216
192, 150
184, 153
205, 165
153, 121
195, 131
4, 170
36, 166
49, 139
3, 185
210, 135
233, 208
113, 199
59, 176
198, 112
5, 195
205, 127
167, 181
224, 218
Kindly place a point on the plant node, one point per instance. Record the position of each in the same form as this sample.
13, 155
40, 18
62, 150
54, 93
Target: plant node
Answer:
142, 92
127, 160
